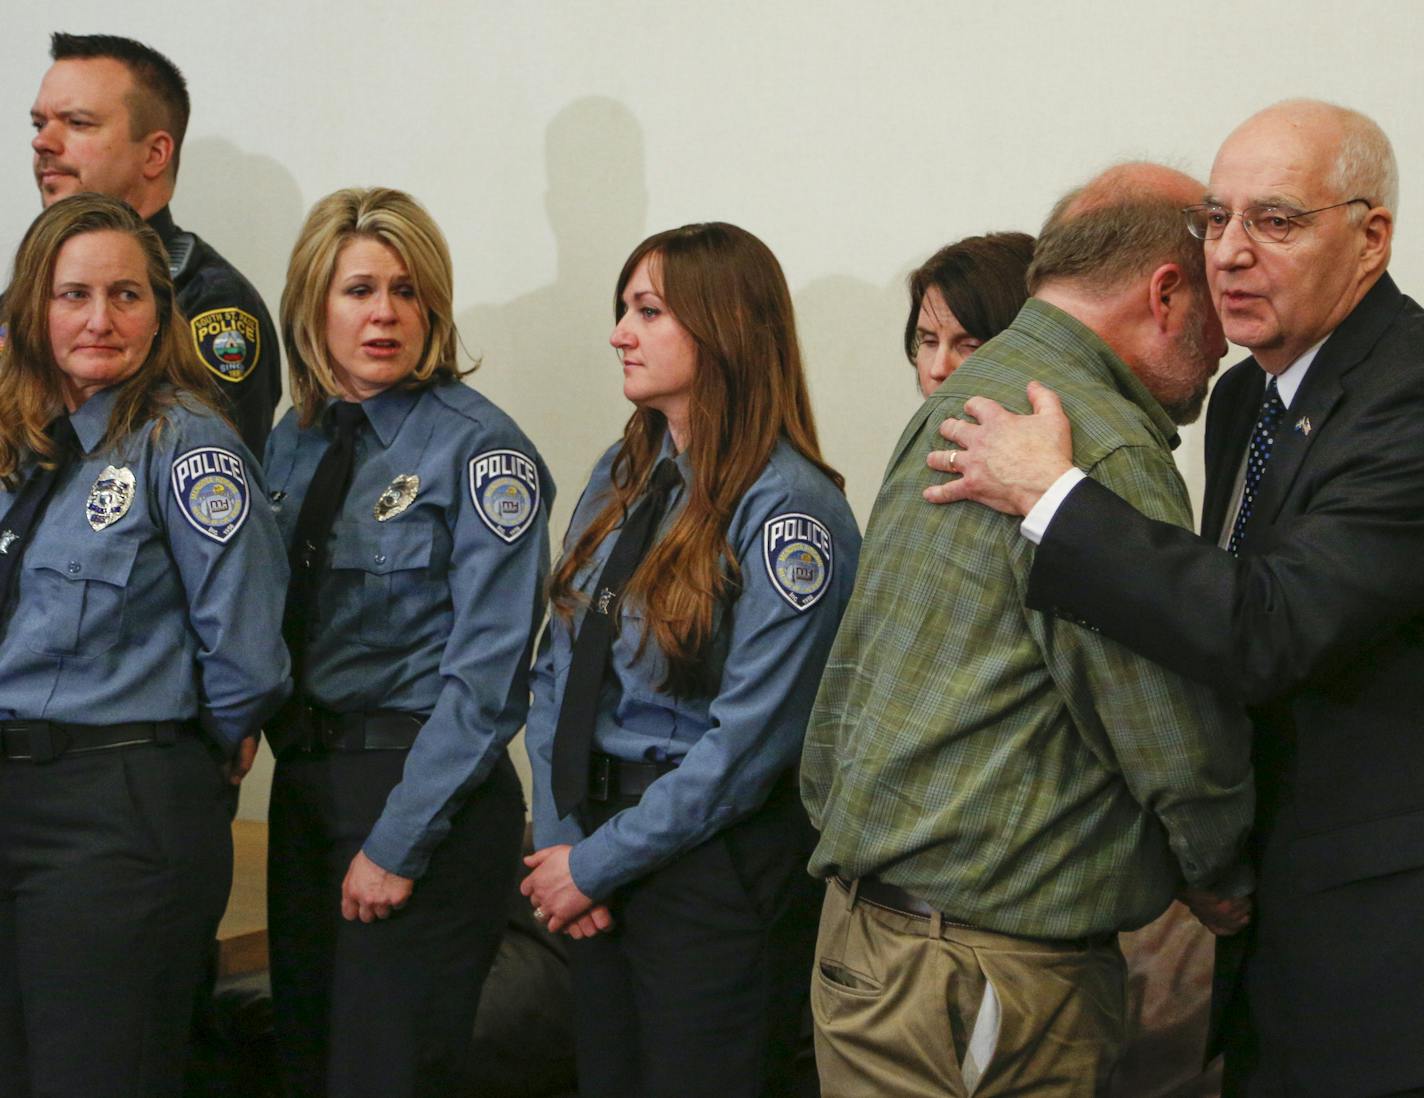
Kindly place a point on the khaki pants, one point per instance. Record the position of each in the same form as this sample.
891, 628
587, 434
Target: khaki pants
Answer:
906, 1008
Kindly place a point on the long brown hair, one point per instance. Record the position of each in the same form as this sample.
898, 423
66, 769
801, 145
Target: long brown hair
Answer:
725, 287
402, 224
30, 392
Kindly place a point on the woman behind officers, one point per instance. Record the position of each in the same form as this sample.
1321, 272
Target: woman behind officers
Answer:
142, 582
415, 512
703, 576
962, 297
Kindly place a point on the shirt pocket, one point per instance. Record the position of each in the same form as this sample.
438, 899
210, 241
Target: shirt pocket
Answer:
79, 598
391, 579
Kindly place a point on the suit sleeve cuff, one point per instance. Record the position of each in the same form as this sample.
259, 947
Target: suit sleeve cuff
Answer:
1035, 523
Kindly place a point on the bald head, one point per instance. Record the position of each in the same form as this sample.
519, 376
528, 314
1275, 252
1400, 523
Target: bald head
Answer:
1347, 150
1129, 182
1119, 226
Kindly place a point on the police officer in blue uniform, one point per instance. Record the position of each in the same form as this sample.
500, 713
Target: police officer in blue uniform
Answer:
142, 578
110, 117
703, 577
416, 512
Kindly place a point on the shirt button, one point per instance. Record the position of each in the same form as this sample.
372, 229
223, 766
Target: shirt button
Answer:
74, 567
379, 558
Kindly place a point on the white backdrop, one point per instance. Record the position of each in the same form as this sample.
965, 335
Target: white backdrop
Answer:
549, 138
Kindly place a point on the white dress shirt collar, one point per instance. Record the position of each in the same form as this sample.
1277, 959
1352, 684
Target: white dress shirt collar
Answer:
1288, 380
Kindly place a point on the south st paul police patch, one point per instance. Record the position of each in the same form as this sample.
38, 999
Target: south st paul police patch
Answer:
210, 485
504, 487
229, 342
799, 558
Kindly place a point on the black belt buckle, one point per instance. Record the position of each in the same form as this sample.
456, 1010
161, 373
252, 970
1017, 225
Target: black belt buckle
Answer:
326, 730
311, 731
45, 741
600, 777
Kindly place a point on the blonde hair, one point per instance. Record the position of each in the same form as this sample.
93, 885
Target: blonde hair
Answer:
30, 390
402, 224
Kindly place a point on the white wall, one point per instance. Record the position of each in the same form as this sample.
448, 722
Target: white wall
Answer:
549, 138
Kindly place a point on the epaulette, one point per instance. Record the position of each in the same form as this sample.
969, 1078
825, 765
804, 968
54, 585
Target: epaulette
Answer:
180, 254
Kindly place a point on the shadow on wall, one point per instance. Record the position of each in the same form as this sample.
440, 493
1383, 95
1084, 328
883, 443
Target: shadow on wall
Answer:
249, 208
246, 205
862, 389
547, 361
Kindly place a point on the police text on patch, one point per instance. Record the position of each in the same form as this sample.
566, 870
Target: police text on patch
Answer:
504, 487
210, 486
799, 558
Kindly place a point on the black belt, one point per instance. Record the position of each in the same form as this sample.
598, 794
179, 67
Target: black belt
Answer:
310, 728
897, 901
611, 779
45, 741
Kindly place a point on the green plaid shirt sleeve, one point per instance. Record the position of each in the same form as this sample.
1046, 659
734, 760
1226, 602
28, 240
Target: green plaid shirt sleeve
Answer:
1020, 772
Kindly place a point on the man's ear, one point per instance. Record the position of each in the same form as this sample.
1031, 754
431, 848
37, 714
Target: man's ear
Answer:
158, 154
1165, 293
1379, 232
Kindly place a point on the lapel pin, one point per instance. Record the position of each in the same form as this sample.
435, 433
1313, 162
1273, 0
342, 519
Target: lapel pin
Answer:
1303, 425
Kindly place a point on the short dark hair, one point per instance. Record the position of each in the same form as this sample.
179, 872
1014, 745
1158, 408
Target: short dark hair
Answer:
159, 100
983, 282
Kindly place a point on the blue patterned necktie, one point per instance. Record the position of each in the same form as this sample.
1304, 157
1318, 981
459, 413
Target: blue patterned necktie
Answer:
1262, 440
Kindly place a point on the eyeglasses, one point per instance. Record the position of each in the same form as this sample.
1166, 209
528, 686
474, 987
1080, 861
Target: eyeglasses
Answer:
1264, 224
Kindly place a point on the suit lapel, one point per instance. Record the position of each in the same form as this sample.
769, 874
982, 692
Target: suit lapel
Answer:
1320, 392
1230, 420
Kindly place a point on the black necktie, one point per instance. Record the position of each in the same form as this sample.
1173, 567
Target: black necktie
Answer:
1257, 455
29, 507
573, 736
325, 495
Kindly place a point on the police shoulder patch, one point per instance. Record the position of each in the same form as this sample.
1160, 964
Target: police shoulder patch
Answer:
210, 485
799, 558
229, 342
504, 487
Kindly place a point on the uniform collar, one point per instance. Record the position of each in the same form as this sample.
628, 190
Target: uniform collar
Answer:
91, 419
386, 412
681, 460
162, 224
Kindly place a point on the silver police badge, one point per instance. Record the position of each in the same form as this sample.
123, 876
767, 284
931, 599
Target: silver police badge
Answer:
799, 558
399, 495
110, 498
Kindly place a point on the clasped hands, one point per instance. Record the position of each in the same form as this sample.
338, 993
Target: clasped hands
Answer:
552, 893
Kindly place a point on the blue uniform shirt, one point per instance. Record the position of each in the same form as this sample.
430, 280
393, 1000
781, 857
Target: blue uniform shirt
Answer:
433, 590
152, 589
796, 542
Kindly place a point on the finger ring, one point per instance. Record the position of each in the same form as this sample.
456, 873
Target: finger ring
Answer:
952, 455
539, 915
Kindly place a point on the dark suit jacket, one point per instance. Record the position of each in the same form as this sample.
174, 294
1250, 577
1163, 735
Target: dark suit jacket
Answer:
1319, 629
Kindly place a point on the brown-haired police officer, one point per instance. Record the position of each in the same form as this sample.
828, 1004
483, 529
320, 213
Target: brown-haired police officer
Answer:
110, 117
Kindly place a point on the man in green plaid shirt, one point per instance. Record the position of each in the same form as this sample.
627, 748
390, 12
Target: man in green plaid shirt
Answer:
1000, 791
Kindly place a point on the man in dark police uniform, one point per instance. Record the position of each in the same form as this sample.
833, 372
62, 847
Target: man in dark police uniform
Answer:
110, 117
